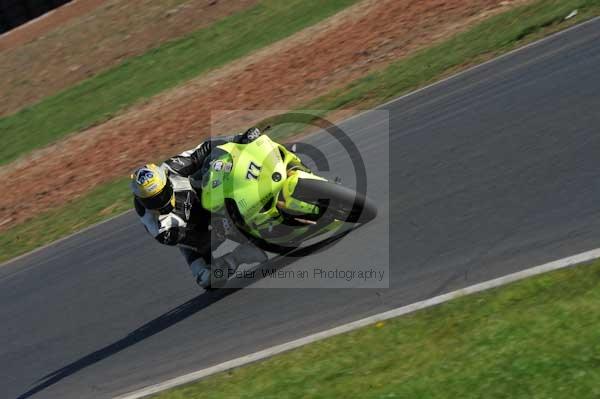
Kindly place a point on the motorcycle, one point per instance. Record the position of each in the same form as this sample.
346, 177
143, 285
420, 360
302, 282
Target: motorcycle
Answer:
276, 201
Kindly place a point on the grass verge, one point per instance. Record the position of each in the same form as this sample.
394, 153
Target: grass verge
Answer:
495, 36
492, 37
98, 98
537, 338
102, 203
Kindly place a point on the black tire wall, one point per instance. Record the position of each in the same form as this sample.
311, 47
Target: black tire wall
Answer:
347, 204
17, 12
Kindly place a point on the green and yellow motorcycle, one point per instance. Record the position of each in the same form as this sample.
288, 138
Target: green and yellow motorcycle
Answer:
274, 199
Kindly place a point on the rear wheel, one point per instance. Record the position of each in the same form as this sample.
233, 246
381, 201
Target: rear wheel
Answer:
335, 200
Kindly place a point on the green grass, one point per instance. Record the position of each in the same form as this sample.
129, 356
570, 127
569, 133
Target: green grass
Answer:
494, 36
497, 35
537, 338
106, 201
98, 98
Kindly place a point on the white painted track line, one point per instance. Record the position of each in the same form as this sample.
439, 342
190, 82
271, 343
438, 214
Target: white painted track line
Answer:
244, 360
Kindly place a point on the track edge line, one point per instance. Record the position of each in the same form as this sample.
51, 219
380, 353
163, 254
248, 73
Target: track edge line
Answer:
359, 114
275, 350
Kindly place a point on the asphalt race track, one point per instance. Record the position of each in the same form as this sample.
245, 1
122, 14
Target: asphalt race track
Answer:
493, 171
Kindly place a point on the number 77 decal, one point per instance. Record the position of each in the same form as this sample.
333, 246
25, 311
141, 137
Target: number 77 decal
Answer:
253, 171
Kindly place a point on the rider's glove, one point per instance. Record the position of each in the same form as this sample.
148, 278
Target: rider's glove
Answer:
250, 135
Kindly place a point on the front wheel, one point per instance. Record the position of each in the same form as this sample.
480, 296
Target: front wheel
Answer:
338, 201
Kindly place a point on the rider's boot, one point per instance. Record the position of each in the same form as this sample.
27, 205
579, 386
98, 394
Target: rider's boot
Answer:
201, 272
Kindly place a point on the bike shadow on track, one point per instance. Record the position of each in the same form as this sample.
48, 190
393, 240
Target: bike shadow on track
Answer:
172, 317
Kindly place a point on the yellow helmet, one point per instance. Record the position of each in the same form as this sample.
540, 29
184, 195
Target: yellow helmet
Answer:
153, 189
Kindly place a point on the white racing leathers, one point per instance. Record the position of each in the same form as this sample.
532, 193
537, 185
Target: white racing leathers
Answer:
188, 225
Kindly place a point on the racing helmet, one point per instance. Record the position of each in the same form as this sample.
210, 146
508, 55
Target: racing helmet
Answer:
152, 187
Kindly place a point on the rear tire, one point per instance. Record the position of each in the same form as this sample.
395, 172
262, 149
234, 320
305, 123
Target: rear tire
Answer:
341, 202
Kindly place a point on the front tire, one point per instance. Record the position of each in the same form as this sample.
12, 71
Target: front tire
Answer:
341, 202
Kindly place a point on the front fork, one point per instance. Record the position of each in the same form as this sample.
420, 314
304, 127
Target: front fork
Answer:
293, 206
305, 216
296, 170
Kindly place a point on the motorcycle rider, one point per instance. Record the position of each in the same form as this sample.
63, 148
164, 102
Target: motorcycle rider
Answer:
171, 212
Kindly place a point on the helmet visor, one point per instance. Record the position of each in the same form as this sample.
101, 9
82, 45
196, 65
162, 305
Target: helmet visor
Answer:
159, 200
